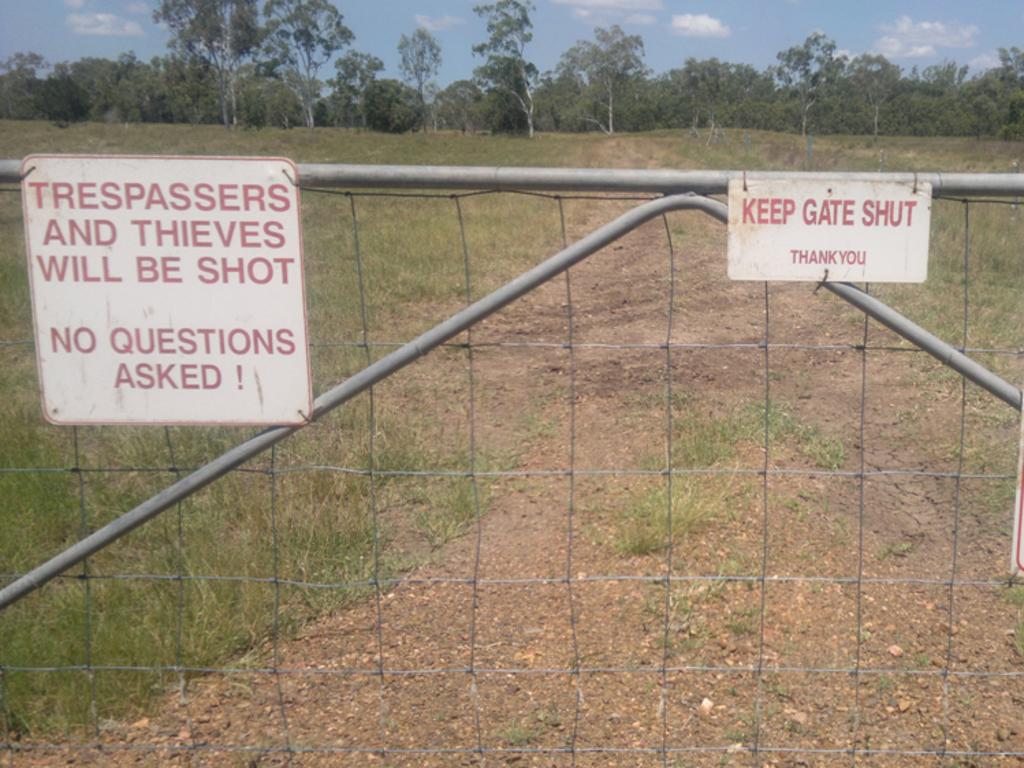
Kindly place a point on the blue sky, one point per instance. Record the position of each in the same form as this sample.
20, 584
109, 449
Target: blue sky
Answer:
909, 32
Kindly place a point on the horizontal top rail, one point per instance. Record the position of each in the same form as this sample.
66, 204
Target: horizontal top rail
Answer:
664, 182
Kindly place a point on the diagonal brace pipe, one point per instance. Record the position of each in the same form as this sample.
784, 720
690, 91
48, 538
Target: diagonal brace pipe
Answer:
934, 346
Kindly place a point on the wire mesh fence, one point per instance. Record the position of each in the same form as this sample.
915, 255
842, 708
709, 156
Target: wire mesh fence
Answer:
642, 516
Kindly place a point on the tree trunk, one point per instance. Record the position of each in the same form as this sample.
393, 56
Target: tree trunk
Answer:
611, 114
528, 101
876, 121
222, 94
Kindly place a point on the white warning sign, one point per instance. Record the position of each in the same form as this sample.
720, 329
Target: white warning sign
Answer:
167, 290
850, 231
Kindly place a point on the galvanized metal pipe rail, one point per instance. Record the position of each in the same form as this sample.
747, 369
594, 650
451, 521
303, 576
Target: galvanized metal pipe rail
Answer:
644, 181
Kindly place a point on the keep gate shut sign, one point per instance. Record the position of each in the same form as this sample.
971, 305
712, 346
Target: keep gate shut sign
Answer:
167, 290
851, 231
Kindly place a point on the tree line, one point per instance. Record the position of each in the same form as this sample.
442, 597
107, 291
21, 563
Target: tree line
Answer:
293, 63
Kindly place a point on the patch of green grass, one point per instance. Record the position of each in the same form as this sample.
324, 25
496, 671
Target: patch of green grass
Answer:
520, 733
709, 441
702, 440
685, 630
643, 526
743, 623
896, 549
449, 513
885, 684
1015, 596
826, 451
319, 528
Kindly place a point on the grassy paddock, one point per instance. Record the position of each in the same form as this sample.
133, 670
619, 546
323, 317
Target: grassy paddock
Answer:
325, 525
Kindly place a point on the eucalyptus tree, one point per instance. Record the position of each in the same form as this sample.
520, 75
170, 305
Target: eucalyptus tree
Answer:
608, 66
876, 78
458, 105
355, 72
19, 79
305, 35
222, 33
391, 106
60, 97
1011, 66
506, 69
420, 58
808, 70
707, 81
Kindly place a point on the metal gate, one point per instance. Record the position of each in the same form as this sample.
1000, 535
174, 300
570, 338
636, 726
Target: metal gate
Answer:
721, 677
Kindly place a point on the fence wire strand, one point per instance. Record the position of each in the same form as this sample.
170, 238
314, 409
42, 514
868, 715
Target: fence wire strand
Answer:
762, 580
474, 487
372, 470
668, 742
84, 529
669, 547
179, 619
859, 610
570, 339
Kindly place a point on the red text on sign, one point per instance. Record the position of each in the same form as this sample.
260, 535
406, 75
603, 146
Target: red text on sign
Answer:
828, 211
258, 270
767, 210
77, 269
202, 341
85, 232
168, 376
203, 233
888, 213
166, 269
131, 195
833, 212
81, 340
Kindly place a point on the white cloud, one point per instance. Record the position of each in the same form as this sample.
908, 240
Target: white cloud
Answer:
74, 3
909, 39
138, 8
699, 25
640, 19
984, 61
438, 23
589, 6
102, 24
634, 12
613, 11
